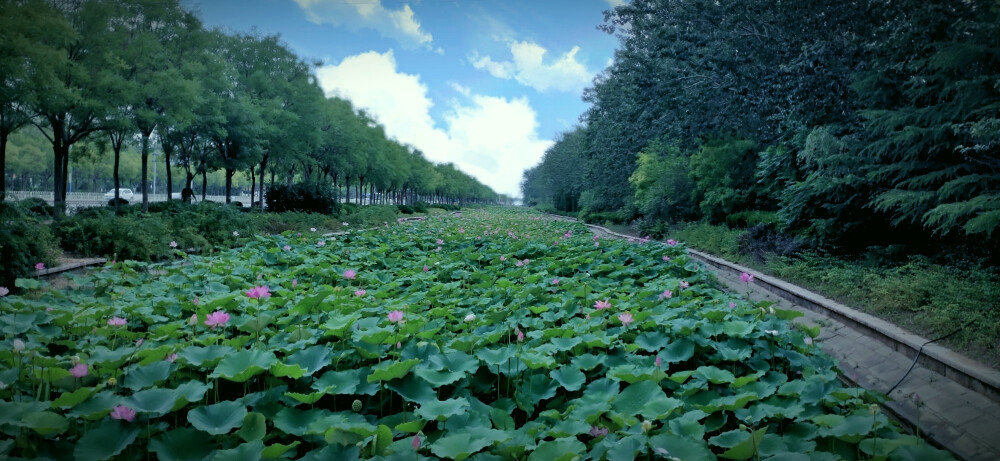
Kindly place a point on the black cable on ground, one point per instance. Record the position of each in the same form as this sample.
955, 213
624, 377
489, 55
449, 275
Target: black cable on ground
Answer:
917, 357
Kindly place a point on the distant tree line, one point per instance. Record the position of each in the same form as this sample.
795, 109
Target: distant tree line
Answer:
849, 124
109, 73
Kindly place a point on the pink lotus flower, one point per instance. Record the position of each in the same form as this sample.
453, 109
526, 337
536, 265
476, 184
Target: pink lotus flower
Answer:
173, 244
746, 278
808, 340
259, 292
626, 318
395, 316
286, 248
597, 244
598, 431
416, 442
555, 281
603, 304
139, 342
123, 412
519, 264
321, 243
503, 258
440, 242
426, 268
526, 260
170, 358
520, 334
217, 319
659, 362
732, 305
194, 319
684, 284
4, 291
438, 249
667, 294
116, 322
79, 370
236, 233
40, 266
349, 274
666, 258
671, 242
359, 292
18, 345
196, 301
295, 282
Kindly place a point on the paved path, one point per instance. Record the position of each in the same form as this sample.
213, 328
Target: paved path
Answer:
950, 414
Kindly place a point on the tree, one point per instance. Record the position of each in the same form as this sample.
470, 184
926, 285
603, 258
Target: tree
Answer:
932, 106
26, 60
71, 91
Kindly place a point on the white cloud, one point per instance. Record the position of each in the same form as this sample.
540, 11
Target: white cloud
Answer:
491, 138
400, 24
614, 3
463, 90
528, 67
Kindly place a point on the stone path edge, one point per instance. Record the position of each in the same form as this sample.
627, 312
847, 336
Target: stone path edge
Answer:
957, 367
71, 266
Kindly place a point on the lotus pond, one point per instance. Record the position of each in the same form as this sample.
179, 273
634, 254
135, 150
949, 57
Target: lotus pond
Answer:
494, 335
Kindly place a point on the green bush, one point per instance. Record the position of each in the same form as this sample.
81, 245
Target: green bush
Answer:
36, 206
405, 209
101, 233
24, 242
714, 239
303, 197
347, 209
372, 215
750, 218
420, 207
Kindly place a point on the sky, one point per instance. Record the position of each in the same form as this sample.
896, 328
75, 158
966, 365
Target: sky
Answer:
488, 85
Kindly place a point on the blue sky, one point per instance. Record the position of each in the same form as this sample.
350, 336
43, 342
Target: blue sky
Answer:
486, 84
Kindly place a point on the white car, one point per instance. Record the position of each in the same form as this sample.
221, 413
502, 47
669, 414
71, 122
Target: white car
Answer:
124, 194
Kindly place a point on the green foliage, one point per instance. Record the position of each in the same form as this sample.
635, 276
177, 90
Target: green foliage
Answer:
302, 197
722, 171
24, 242
932, 126
714, 239
36, 206
372, 215
828, 206
662, 184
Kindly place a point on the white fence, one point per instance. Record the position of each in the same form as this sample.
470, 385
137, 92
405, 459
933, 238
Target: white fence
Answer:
87, 199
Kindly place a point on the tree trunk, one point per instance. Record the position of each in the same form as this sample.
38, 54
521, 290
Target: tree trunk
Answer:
60, 152
117, 146
204, 183
170, 176
145, 174
229, 184
253, 184
263, 168
3, 165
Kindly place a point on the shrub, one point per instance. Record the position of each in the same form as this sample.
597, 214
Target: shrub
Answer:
750, 218
24, 242
36, 206
305, 197
405, 209
130, 236
762, 241
714, 239
420, 207
121, 201
372, 215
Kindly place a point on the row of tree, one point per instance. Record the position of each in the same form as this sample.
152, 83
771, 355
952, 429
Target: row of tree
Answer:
854, 124
113, 72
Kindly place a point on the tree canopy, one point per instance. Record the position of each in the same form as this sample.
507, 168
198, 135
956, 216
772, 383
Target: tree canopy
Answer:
868, 123
147, 73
